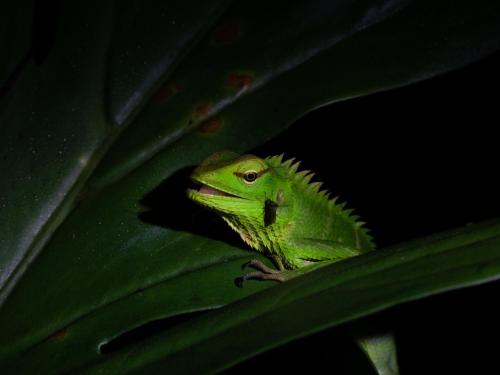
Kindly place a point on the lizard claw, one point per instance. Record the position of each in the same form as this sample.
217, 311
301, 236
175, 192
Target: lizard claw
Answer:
275, 276
258, 265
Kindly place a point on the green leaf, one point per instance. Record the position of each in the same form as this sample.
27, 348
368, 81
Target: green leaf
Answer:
126, 98
321, 299
380, 349
51, 115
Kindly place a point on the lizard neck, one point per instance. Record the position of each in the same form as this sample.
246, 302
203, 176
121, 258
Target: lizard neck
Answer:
268, 239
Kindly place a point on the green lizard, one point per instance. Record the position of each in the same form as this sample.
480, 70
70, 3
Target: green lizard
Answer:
277, 211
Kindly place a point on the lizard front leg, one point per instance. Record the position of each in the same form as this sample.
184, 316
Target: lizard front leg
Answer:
307, 254
263, 272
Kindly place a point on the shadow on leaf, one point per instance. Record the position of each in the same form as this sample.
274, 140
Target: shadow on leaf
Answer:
167, 206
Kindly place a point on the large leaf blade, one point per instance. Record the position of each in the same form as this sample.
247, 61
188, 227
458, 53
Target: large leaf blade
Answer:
34, 118
224, 69
106, 220
148, 42
319, 300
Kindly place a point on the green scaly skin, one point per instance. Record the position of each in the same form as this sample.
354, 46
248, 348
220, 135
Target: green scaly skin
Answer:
277, 211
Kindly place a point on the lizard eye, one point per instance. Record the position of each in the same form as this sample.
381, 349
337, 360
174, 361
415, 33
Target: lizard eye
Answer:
250, 177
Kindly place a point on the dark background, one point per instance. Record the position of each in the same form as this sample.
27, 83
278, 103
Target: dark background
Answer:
412, 161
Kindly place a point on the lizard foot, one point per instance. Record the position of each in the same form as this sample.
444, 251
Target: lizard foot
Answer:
258, 265
263, 273
276, 276
267, 273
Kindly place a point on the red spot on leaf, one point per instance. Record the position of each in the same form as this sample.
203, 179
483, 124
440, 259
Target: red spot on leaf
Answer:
210, 126
58, 335
202, 110
227, 32
239, 81
168, 90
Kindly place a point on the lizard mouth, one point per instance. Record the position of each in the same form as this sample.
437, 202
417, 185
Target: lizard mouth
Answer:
209, 190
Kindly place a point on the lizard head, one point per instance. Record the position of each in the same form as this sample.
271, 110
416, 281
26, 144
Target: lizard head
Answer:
235, 184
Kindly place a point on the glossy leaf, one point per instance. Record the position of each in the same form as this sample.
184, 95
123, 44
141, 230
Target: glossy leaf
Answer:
53, 114
323, 298
125, 99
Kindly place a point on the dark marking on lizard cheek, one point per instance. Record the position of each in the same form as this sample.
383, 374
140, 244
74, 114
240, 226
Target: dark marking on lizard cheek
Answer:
270, 208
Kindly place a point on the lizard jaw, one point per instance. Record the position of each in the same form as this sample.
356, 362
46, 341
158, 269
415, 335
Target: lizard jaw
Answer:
207, 190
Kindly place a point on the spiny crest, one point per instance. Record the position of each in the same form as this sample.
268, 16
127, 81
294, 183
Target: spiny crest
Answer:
325, 193
275, 160
315, 186
303, 179
304, 176
287, 164
294, 167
